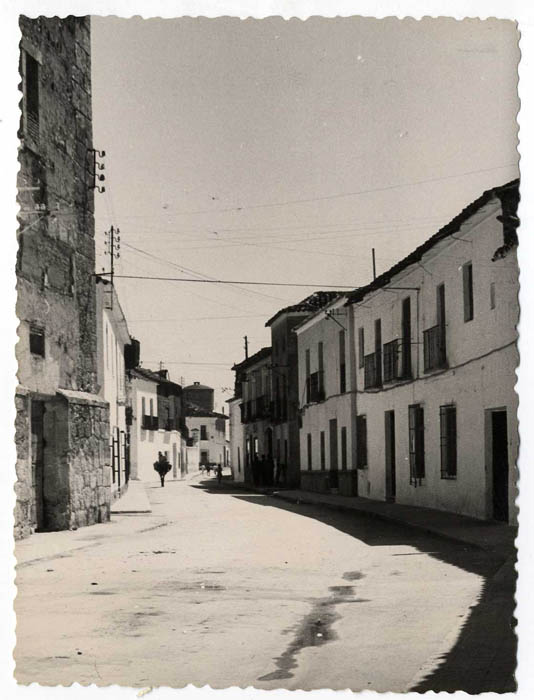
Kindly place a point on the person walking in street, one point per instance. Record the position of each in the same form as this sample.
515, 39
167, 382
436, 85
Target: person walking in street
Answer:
162, 466
218, 471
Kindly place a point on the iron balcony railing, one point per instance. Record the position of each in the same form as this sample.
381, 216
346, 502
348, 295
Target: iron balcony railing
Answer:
315, 388
372, 371
391, 360
435, 355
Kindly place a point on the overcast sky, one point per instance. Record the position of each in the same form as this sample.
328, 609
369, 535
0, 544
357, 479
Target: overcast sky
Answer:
284, 151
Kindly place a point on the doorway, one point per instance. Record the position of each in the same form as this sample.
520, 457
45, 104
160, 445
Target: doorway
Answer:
389, 425
333, 476
37, 465
499, 462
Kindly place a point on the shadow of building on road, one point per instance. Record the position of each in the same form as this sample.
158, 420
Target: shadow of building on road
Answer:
483, 656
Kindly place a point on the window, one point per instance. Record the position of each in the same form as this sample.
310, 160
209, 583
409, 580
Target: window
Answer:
37, 341
467, 271
342, 371
416, 423
143, 406
343, 448
361, 347
323, 451
492, 295
320, 363
203, 432
31, 96
361, 442
309, 452
378, 351
406, 338
447, 432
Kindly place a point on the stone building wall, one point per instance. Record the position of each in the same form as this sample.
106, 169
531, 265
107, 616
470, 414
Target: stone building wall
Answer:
62, 457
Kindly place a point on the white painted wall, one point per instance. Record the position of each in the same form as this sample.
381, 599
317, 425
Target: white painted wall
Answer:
237, 440
482, 359
316, 416
215, 444
147, 443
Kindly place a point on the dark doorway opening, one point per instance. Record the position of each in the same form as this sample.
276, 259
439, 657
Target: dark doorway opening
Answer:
37, 475
389, 424
333, 475
499, 450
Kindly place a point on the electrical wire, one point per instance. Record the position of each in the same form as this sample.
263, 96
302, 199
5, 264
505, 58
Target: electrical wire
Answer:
215, 281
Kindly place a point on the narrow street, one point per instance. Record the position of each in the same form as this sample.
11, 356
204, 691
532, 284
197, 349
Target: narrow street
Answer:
223, 586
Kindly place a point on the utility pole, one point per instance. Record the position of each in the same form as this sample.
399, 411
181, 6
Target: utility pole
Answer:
112, 244
374, 265
246, 347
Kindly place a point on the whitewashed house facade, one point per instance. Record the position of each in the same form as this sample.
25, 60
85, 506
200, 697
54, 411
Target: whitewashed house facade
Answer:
158, 425
325, 382
237, 439
434, 343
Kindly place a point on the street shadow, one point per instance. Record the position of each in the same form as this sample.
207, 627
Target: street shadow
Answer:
483, 657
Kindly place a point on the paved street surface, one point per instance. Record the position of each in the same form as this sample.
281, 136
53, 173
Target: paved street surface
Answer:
223, 586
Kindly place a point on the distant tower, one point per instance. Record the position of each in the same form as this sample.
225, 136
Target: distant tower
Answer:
200, 395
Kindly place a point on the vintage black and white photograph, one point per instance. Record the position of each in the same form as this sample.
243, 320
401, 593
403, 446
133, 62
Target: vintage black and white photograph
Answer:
267, 289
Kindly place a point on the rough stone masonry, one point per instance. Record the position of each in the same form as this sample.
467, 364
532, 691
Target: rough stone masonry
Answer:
61, 426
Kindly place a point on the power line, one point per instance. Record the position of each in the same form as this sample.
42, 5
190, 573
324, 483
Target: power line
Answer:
345, 194
214, 281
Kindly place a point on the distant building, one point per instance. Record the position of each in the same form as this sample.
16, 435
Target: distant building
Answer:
434, 340
114, 342
326, 400
62, 426
200, 395
253, 386
237, 438
158, 424
285, 388
208, 427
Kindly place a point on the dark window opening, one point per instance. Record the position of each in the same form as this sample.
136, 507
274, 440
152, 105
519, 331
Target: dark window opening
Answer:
342, 367
37, 341
448, 447
467, 271
309, 452
203, 432
31, 95
343, 448
361, 442
416, 443
323, 451
361, 347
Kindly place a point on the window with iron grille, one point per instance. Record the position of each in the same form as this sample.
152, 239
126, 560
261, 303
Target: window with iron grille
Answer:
416, 423
203, 432
37, 341
309, 453
343, 448
323, 451
448, 447
361, 442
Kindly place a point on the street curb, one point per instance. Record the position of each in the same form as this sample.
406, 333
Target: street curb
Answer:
385, 517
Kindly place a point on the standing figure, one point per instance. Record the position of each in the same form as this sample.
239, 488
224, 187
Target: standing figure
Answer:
218, 471
162, 466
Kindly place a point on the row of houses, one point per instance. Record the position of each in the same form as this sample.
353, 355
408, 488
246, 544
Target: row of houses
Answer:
402, 390
89, 417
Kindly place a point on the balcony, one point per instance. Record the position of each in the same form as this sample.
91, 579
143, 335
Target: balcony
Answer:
435, 355
149, 423
372, 371
315, 387
391, 361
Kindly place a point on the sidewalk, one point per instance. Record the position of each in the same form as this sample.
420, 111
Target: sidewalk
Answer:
494, 537
135, 500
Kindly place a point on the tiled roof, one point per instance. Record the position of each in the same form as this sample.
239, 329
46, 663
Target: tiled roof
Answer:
192, 410
509, 192
311, 303
152, 376
260, 355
